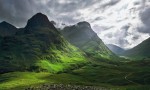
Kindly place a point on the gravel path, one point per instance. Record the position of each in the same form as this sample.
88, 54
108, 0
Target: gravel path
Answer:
65, 87
126, 78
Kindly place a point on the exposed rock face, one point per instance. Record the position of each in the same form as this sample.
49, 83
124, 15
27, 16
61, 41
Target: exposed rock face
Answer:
39, 20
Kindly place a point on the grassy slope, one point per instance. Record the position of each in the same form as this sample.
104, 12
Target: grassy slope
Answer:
68, 59
38, 47
31, 52
141, 51
82, 36
97, 74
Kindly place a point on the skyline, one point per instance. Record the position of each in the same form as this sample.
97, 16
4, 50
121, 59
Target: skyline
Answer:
123, 23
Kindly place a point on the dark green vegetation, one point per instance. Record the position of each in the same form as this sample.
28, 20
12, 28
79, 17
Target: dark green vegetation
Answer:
38, 55
116, 49
117, 76
38, 47
141, 51
82, 36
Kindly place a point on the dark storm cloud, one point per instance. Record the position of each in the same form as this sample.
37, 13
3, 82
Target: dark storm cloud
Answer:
145, 18
136, 37
107, 4
16, 11
125, 30
126, 27
68, 10
123, 42
70, 5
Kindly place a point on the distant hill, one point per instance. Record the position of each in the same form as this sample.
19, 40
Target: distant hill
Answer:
116, 49
7, 29
37, 47
82, 36
141, 51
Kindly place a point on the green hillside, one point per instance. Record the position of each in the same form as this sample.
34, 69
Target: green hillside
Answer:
105, 76
38, 47
141, 51
82, 36
38, 57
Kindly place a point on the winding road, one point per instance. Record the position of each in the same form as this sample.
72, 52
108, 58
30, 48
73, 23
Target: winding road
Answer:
126, 78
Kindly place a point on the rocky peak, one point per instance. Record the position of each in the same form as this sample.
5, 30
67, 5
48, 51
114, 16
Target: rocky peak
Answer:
39, 20
84, 24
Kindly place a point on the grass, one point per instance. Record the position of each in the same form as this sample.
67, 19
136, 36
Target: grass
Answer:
95, 74
15, 80
63, 61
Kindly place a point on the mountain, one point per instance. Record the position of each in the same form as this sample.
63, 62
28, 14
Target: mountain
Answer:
7, 29
116, 49
141, 51
38, 47
82, 36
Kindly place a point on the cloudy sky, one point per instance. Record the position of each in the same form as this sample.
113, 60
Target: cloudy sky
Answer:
125, 23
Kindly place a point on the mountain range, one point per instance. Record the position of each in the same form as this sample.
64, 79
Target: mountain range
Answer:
82, 36
40, 56
116, 49
39, 46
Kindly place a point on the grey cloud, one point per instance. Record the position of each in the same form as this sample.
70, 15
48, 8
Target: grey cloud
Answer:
136, 37
109, 35
145, 18
123, 42
119, 37
126, 27
110, 3
100, 28
16, 11
98, 18
19, 11
125, 30
104, 6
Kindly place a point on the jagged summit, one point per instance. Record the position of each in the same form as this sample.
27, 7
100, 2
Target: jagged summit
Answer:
39, 20
82, 36
84, 23
82, 29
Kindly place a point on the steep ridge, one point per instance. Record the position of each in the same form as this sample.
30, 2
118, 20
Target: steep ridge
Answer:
82, 36
39, 47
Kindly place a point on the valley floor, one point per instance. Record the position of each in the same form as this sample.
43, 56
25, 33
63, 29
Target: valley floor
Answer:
94, 76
